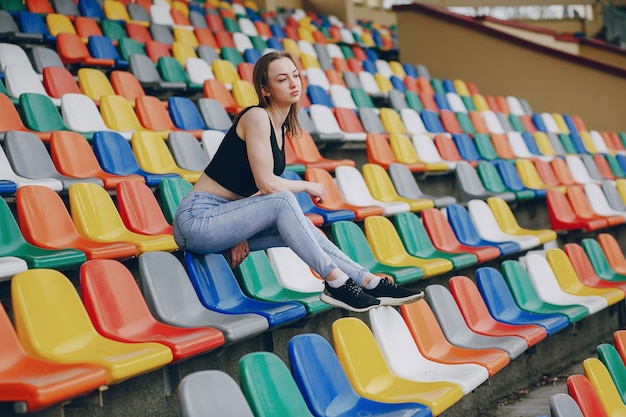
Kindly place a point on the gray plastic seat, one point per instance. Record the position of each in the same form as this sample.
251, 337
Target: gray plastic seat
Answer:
45, 57
162, 33
172, 299
148, 76
187, 151
591, 166
212, 393
504, 121
613, 196
406, 186
138, 12
456, 330
197, 19
370, 121
469, 185
563, 405
9, 31
396, 98
323, 57
422, 71
556, 143
214, 114
351, 80
207, 53
29, 158
66, 7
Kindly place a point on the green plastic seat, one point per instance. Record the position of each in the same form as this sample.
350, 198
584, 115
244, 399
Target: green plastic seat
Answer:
258, 43
361, 98
612, 360
413, 101
465, 123
231, 25
113, 30
516, 123
269, 386
566, 142
232, 55
350, 239
12, 243
259, 280
437, 85
417, 242
129, 46
347, 51
493, 182
469, 103
527, 298
615, 165
172, 191
13, 5
39, 113
485, 147
599, 261
171, 71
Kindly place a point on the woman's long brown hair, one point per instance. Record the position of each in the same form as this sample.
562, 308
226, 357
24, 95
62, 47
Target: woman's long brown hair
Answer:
259, 79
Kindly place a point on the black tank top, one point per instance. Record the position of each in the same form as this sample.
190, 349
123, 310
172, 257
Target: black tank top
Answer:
230, 166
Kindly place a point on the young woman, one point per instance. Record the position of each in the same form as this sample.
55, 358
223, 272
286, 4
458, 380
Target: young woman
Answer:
241, 203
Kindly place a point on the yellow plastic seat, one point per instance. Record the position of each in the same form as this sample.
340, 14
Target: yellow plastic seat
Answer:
96, 217
568, 280
94, 83
153, 155
384, 84
603, 385
185, 36
182, 52
543, 143
530, 177
305, 33
52, 324
480, 102
404, 151
116, 10
291, 46
371, 377
620, 185
225, 72
119, 115
560, 122
381, 187
508, 223
309, 61
397, 69
461, 88
181, 7
388, 248
367, 40
244, 94
60, 23
391, 121
588, 142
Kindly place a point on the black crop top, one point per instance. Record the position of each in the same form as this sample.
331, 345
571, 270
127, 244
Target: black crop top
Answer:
230, 166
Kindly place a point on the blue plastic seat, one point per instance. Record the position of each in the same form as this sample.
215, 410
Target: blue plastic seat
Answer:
448, 85
116, 157
275, 43
370, 66
409, 70
466, 147
33, 23
277, 31
569, 122
326, 388
252, 55
431, 121
466, 232
531, 144
442, 101
502, 306
185, 114
538, 122
91, 8
218, 290
102, 47
317, 95
578, 143
7, 187
512, 180
397, 83
308, 206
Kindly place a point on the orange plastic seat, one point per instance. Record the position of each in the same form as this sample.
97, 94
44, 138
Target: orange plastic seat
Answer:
478, 318
334, 200
217, 90
548, 174
619, 337
306, 151
153, 115
74, 157
584, 269
448, 150
581, 390
45, 222
433, 344
563, 217
118, 311
379, 152
479, 123
59, 81
562, 171
444, 239
156, 49
613, 252
86, 27
140, 210
34, 384
72, 50
581, 206
125, 84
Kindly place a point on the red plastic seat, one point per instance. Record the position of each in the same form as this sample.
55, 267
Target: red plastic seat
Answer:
138, 32
205, 37
613, 252
119, 312
584, 269
582, 207
153, 115
478, 318
307, 153
450, 122
563, 217
140, 210
448, 150
433, 344
125, 84
59, 81
619, 337
35, 384
45, 222
502, 146
444, 239
581, 390
72, 50
379, 152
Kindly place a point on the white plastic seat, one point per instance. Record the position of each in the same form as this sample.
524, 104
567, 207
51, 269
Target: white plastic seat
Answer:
292, 272
598, 142
211, 140
406, 360
242, 41
428, 152
578, 169
412, 121
11, 265
456, 104
316, 76
353, 189
369, 84
347, 36
198, 70
7, 173
383, 68
81, 114
11, 54
487, 226
519, 147
334, 51
550, 123
326, 124
515, 106
20, 79
492, 121
187, 151
160, 14
548, 289
306, 47
246, 26
342, 97
599, 202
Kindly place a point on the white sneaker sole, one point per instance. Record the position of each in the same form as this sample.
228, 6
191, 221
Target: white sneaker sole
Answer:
390, 301
337, 303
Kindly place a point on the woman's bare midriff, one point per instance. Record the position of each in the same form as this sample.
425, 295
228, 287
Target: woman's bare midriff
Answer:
209, 185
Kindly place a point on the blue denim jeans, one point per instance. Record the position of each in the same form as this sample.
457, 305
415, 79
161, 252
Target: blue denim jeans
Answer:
207, 223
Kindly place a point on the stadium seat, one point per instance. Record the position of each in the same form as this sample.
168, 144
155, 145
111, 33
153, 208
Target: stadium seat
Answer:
20, 79
211, 393
140, 210
73, 51
187, 151
11, 119
583, 209
94, 84
382, 188
146, 72
584, 269
597, 373
561, 405
292, 271
214, 115
11, 265
45, 300
33, 384
172, 191
96, 217
379, 151
185, 114
218, 290
102, 47
581, 390
599, 203
172, 71
599, 261
119, 312
127, 85
470, 186
367, 364
40, 114
81, 115
59, 81
493, 182
119, 115
173, 300
613, 252
610, 357
563, 217
153, 116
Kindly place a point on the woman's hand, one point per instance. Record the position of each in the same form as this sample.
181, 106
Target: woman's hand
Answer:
238, 253
317, 191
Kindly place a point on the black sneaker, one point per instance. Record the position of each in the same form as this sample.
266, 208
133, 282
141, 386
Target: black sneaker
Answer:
349, 296
391, 294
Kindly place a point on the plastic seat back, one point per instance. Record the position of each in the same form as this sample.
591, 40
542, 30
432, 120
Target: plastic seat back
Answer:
154, 156
600, 379
562, 405
214, 115
39, 113
152, 114
581, 390
187, 151
139, 209
610, 357
269, 386
118, 114
81, 114
185, 114
172, 191
59, 81
94, 83
211, 393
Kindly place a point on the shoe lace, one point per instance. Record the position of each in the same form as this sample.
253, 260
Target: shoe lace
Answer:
353, 288
388, 283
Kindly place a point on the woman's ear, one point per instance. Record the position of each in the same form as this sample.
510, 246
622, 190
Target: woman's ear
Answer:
265, 91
